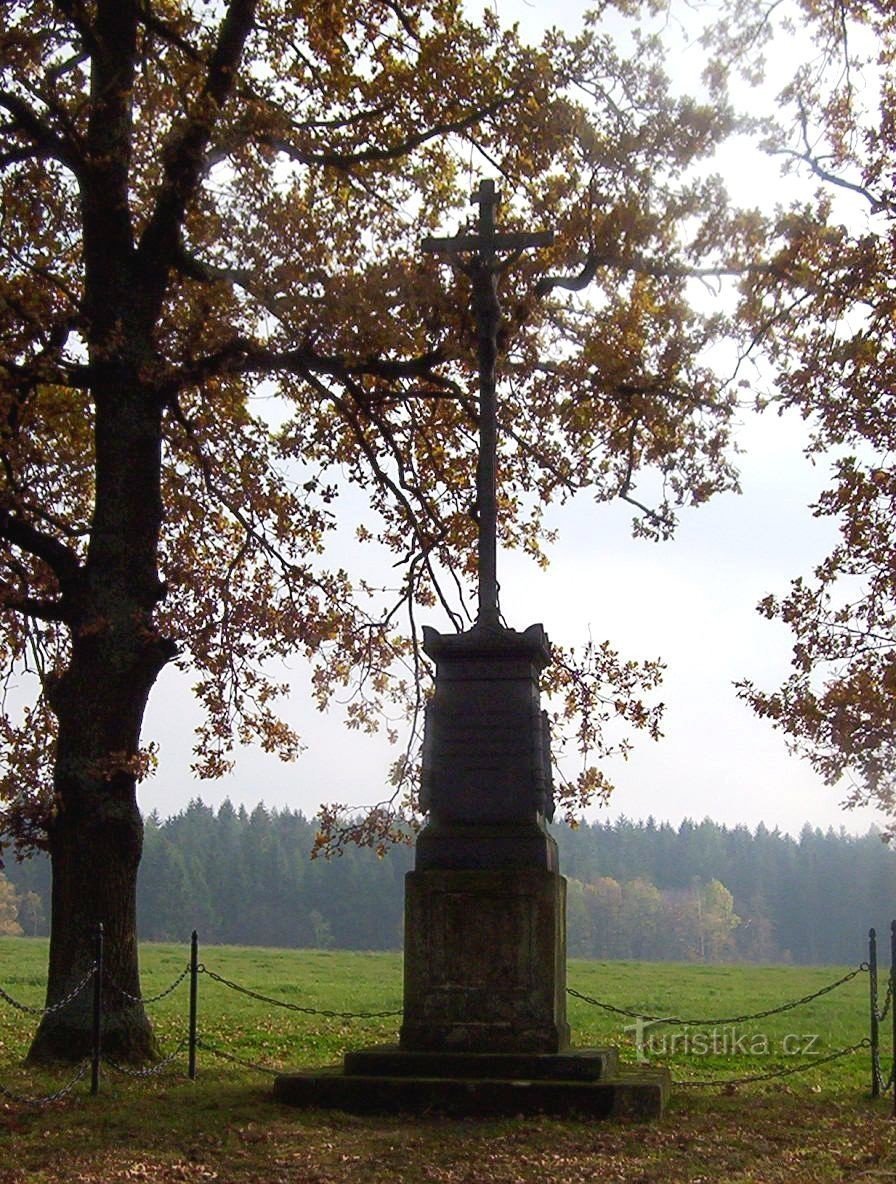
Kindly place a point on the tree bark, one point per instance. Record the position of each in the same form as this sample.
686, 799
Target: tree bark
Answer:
96, 833
95, 851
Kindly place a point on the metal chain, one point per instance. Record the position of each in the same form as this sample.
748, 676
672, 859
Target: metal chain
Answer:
146, 999
876, 1070
335, 1015
64, 1002
227, 1056
734, 1019
26, 1100
153, 1070
721, 1081
882, 1015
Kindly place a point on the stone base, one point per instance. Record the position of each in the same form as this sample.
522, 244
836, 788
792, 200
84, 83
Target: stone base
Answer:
639, 1095
485, 962
389, 1060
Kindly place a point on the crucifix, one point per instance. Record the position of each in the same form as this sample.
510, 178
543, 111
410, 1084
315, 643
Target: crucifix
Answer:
483, 269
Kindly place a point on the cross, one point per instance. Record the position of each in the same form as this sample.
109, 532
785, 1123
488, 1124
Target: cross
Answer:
483, 270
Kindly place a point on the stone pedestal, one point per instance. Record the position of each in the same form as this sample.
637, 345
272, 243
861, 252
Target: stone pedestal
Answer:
485, 909
484, 1028
485, 961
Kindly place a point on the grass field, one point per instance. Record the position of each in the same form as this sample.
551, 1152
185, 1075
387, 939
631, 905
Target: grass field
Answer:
816, 1126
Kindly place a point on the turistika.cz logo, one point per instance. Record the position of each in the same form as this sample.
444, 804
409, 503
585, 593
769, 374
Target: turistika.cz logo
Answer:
715, 1042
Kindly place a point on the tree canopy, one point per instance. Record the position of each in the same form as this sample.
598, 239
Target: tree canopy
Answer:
213, 311
823, 312
230, 195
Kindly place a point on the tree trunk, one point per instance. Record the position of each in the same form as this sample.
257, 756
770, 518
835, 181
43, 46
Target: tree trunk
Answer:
96, 833
95, 854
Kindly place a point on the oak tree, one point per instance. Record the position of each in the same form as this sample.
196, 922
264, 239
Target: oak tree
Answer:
823, 312
213, 312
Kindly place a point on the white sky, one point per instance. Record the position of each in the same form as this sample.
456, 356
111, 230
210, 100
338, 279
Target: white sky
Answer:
691, 602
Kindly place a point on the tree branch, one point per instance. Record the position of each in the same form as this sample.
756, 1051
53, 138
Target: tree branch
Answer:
76, 12
878, 204
185, 155
347, 160
32, 606
242, 356
60, 558
47, 143
594, 262
165, 31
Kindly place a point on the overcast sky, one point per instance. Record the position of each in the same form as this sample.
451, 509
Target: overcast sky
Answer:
691, 602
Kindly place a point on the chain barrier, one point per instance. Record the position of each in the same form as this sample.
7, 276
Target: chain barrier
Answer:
770, 1076
63, 1091
153, 1070
227, 1056
888, 1000
147, 999
733, 1019
64, 1002
334, 1015
194, 968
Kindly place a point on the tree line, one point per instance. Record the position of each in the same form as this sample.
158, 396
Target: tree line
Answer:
637, 890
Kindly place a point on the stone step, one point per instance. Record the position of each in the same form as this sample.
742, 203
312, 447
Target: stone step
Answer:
580, 1064
640, 1094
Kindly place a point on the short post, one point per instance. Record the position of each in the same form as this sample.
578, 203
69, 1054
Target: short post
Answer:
875, 1027
194, 991
97, 1010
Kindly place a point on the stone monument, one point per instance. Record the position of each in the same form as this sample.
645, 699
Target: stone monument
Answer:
484, 1025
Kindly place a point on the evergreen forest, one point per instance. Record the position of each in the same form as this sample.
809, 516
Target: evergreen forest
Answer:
636, 890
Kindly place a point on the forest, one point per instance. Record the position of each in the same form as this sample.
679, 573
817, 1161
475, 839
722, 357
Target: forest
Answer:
636, 890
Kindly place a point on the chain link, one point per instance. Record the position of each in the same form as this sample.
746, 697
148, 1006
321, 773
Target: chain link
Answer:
815, 1062
876, 1070
153, 1070
733, 1019
147, 999
882, 1014
334, 1015
26, 1100
227, 1056
64, 1002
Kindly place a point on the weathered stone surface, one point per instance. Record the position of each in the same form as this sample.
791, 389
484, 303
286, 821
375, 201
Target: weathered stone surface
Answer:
640, 1095
485, 961
486, 749
579, 1064
455, 846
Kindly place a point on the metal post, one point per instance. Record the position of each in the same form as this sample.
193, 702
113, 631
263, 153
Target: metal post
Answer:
875, 1032
97, 1010
893, 1006
194, 986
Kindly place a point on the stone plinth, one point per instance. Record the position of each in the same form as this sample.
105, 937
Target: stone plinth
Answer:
485, 961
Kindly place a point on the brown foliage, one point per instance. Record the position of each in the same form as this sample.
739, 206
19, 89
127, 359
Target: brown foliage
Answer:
823, 312
211, 218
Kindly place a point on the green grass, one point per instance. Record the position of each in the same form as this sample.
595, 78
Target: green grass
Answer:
818, 1125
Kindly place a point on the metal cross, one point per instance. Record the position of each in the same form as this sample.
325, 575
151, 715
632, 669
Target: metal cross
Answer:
483, 270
